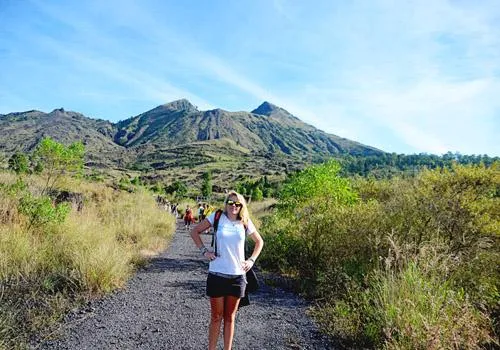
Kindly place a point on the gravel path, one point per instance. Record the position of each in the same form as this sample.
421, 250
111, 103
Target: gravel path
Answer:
164, 307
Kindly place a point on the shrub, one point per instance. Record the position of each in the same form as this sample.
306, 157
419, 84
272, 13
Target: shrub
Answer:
333, 241
41, 211
416, 310
57, 159
19, 163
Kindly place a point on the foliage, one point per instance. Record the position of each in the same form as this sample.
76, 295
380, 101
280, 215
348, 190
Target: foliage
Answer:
387, 165
136, 181
206, 186
178, 188
257, 194
91, 252
300, 232
315, 184
257, 189
57, 159
18, 162
348, 251
419, 309
40, 210
157, 188
96, 176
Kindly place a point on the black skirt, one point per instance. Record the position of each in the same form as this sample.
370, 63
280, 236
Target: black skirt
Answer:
218, 286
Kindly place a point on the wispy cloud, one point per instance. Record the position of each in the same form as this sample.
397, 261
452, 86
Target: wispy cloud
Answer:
434, 96
402, 76
100, 57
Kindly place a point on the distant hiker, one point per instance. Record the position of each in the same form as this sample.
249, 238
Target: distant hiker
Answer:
201, 212
208, 210
174, 210
226, 280
188, 218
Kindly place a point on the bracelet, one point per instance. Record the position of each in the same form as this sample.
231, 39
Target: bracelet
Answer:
251, 259
203, 250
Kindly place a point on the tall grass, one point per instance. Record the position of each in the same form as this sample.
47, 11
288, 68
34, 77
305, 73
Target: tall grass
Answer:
425, 312
46, 269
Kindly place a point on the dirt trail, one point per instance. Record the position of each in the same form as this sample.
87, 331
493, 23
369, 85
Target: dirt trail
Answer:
164, 307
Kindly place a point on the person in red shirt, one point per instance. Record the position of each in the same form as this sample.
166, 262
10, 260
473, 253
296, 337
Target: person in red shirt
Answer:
188, 218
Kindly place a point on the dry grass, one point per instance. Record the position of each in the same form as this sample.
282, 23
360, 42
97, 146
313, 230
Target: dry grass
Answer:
260, 209
45, 269
420, 310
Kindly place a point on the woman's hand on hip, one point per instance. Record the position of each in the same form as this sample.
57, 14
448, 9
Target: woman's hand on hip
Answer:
247, 264
209, 255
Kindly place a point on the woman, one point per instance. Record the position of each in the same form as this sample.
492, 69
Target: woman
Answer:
226, 280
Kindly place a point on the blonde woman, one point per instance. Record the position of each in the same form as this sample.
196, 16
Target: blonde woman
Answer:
226, 280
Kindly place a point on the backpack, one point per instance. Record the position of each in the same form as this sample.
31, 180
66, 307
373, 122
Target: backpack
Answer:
218, 214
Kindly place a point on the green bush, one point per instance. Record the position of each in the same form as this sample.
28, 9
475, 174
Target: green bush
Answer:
41, 211
257, 194
55, 159
19, 163
335, 238
418, 310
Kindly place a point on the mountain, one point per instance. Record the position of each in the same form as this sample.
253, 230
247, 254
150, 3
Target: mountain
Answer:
22, 132
177, 135
267, 129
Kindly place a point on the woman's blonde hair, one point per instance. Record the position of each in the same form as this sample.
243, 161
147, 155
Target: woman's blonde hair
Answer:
243, 214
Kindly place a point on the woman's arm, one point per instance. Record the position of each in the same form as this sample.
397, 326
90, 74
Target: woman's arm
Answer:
197, 230
259, 244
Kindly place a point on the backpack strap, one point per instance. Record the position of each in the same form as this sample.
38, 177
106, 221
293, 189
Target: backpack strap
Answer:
218, 214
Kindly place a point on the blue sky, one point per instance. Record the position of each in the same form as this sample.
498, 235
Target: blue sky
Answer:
404, 76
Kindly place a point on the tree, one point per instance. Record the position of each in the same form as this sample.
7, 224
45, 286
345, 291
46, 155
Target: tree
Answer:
178, 187
257, 194
315, 182
57, 159
206, 187
19, 163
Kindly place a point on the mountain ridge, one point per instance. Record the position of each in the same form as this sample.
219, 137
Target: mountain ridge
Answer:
178, 134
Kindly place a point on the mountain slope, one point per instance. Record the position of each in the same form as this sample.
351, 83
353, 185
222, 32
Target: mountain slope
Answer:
177, 135
267, 129
22, 132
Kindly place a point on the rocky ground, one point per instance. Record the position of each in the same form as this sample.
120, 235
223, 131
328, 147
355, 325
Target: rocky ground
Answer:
164, 307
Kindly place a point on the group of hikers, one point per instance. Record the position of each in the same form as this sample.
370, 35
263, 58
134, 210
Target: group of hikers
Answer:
190, 216
203, 210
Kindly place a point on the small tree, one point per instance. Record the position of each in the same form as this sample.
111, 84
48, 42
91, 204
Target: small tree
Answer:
57, 159
206, 187
178, 187
19, 163
314, 182
257, 194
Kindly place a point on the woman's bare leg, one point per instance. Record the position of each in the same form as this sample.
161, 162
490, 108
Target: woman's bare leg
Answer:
216, 314
230, 309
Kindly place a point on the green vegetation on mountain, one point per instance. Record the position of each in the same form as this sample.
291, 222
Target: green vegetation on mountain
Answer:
177, 137
22, 132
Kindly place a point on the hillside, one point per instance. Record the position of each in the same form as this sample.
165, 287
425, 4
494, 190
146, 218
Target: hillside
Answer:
22, 132
267, 129
178, 140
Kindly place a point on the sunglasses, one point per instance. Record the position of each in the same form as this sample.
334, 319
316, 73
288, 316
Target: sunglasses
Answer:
238, 204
